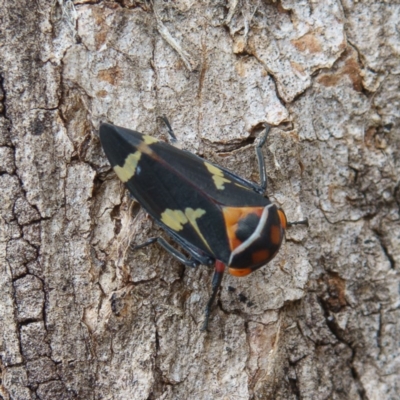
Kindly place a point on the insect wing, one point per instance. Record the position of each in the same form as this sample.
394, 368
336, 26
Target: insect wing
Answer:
167, 194
219, 185
118, 143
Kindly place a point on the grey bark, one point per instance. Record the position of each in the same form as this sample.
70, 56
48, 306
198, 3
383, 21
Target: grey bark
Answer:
84, 317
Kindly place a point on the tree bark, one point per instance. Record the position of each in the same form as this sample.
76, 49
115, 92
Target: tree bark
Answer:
85, 317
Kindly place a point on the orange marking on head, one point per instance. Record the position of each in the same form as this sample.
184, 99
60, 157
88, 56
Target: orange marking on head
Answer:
283, 219
240, 272
260, 256
276, 236
232, 216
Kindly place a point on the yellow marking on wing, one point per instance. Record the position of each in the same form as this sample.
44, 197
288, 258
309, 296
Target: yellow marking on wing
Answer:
149, 139
243, 187
217, 175
127, 171
192, 215
174, 219
145, 149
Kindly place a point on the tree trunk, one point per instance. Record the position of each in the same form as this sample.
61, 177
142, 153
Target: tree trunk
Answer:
85, 317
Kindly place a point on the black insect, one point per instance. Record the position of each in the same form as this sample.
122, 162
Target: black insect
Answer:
218, 217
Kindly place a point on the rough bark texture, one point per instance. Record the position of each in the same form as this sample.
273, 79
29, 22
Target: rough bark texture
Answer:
82, 316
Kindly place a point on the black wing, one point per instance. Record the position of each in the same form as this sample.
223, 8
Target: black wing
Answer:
183, 192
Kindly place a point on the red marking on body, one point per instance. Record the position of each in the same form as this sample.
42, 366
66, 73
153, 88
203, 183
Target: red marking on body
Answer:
232, 216
282, 218
219, 266
261, 256
240, 272
276, 235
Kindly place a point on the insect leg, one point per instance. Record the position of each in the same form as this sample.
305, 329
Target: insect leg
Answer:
216, 283
262, 187
261, 164
195, 253
171, 250
303, 222
169, 128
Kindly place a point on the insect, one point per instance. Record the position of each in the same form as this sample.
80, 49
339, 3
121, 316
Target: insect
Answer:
217, 217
